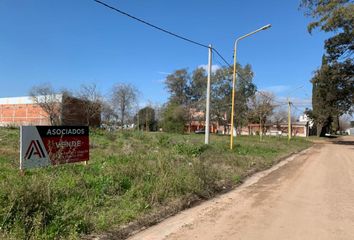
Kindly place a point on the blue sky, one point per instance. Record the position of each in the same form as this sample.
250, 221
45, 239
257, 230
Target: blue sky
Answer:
68, 43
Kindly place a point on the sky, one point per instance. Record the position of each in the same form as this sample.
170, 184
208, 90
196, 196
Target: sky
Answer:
69, 43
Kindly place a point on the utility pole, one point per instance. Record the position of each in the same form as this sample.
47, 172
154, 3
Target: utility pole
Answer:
207, 112
260, 128
289, 119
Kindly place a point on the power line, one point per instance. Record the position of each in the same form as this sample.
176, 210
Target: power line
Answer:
218, 62
163, 30
297, 108
217, 53
151, 25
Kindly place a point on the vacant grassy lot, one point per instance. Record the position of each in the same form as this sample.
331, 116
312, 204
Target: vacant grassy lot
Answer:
131, 175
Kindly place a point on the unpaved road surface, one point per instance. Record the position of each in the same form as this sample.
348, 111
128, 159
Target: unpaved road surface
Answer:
309, 196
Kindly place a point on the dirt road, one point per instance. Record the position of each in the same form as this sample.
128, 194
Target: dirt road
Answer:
310, 196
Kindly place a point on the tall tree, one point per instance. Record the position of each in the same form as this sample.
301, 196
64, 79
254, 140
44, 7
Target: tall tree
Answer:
146, 119
124, 97
188, 90
245, 90
197, 89
221, 91
332, 93
333, 16
222, 94
333, 83
177, 86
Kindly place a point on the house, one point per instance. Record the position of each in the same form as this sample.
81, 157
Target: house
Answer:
197, 122
299, 129
21, 111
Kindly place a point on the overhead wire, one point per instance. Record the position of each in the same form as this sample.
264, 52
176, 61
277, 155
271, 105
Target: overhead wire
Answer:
223, 59
151, 25
299, 110
163, 30
167, 32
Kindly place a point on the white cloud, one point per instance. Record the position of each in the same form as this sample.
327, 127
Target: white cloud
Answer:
277, 89
214, 68
159, 80
164, 73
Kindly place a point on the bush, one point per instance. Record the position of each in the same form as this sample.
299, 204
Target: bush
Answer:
174, 118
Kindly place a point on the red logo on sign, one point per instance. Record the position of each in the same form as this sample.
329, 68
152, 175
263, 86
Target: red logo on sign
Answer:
34, 148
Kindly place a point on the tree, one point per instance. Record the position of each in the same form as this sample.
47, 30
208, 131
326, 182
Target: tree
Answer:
197, 89
124, 97
50, 102
188, 90
174, 118
146, 119
333, 16
221, 91
245, 90
279, 117
108, 114
261, 108
332, 94
177, 86
222, 95
91, 102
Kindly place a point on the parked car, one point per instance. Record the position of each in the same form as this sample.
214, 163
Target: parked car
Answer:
200, 131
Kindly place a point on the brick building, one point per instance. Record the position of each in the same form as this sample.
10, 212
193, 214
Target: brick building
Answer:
299, 129
18, 111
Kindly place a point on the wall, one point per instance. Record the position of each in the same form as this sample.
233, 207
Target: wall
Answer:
17, 111
22, 114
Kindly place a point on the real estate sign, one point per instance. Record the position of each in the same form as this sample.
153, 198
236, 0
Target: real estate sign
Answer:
49, 145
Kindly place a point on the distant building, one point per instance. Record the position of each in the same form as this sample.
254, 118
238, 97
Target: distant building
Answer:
350, 131
16, 111
304, 118
298, 129
21, 111
197, 122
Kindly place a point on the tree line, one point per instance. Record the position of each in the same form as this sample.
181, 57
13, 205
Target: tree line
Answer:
185, 104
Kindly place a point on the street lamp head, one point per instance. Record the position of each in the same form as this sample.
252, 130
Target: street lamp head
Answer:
266, 27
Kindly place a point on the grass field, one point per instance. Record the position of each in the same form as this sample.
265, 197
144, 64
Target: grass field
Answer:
131, 175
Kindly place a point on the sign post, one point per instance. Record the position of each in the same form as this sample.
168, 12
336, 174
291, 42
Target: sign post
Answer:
52, 145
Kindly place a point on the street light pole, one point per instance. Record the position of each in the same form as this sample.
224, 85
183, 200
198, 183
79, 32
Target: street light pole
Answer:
234, 80
289, 120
